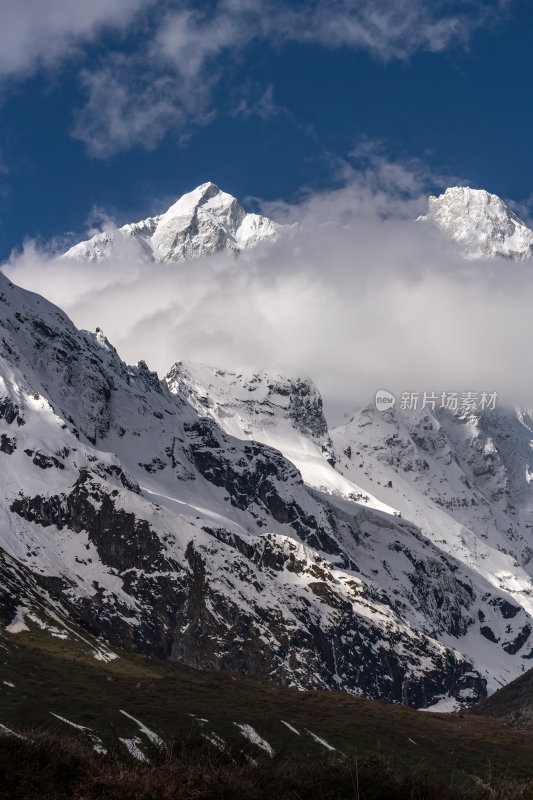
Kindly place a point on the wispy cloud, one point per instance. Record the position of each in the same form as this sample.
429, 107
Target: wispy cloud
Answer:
169, 82
35, 34
131, 104
366, 184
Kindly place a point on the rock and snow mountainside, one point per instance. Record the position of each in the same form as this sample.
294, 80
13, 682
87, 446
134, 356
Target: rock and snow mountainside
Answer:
200, 223
212, 518
283, 413
480, 223
464, 480
184, 541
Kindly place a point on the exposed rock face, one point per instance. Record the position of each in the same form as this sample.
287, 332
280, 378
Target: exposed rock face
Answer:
480, 223
465, 480
285, 413
200, 223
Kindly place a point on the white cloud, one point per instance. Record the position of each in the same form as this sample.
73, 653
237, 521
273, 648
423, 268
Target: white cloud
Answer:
129, 105
33, 33
385, 29
189, 40
168, 83
381, 302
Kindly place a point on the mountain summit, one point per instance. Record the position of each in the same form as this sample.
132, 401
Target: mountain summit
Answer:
202, 222
481, 223
208, 220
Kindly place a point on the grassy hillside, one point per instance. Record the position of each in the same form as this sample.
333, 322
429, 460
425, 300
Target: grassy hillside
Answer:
65, 769
50, 670
513, 703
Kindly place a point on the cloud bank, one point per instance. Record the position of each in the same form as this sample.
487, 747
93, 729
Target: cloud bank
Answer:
360, 297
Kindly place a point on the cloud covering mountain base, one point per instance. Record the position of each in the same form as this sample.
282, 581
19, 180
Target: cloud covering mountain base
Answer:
359, 296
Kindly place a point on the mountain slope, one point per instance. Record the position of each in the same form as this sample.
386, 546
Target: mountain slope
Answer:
284, 413
513, 703
186, 542
481, 224
50, 682
462, 479
213, 519
202, 222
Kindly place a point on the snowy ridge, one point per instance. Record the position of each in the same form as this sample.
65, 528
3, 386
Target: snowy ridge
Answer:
202, 222
283, 413
480, 223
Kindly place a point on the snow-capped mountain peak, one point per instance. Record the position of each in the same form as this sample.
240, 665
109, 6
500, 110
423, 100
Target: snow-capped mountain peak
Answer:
211, 199
481, 223
202, 222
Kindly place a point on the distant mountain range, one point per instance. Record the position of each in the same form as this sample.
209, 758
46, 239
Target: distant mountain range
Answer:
208, 220
214, 518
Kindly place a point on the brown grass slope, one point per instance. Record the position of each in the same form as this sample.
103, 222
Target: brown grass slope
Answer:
64, 768
513, 702
50, 675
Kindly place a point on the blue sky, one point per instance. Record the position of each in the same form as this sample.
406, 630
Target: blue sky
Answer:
116, 109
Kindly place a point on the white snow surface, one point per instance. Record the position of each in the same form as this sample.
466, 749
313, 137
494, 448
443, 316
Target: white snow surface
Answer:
290, 727
68, 722
96, 742
150, 735
321, 741
18, 625
202, 222
481, 223
257, 407
9, 732
249, 733
448, 705
134, 749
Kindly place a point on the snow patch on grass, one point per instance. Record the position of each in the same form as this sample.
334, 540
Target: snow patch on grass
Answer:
95, 740
290, 727
133, 748
447, 705
249, 733
150, 735
18, 625
68, 722
9, 732
321, 741
215, 740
